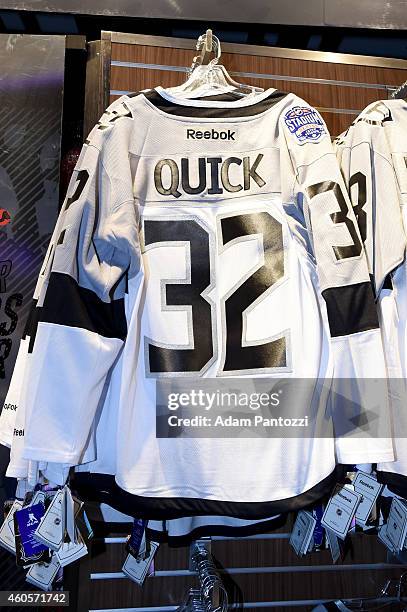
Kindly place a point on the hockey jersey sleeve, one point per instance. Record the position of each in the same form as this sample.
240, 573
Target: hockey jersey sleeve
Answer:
337, 248
78, 324
8, 416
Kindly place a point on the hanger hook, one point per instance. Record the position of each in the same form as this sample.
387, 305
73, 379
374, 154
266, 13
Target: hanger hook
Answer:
207, 43
216, 47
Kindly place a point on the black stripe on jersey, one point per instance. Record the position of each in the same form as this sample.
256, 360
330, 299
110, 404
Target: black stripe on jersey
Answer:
103, 488
351, 309
213, 113
213, 529
66, 303
61, 237
229, 96
380, 122
31, 325
388, 282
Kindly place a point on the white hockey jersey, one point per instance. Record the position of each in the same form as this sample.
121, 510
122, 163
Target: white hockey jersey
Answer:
202, 239
373, 159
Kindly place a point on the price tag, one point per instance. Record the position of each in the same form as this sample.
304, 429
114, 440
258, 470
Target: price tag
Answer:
334, 546
7, 536
138, 570
301, 536
71, 551
397, 523
50, 530
384, 539
370, 489
42, 575
340, 511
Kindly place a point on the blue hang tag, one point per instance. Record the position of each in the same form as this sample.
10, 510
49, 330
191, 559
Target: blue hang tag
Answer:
135, 541
319, 531
28, 549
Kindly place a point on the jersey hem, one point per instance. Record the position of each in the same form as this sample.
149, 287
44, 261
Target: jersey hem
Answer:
98, 487
183, 537
366, 457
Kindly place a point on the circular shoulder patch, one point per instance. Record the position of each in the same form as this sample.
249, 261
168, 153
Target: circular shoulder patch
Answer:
305, 124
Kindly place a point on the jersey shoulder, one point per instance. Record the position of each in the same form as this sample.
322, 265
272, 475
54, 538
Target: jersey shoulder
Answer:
369, 127
121, 111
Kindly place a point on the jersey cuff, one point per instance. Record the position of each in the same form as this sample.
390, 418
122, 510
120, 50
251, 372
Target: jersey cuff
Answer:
47, 455
368, 456
5, 442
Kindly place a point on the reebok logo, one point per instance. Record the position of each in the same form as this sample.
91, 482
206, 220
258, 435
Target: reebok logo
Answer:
210, 135
9, 406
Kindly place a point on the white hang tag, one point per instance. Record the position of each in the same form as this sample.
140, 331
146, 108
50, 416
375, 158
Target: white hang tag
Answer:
303, 529
69, 515
370, 489
384, 539
137, 570
72, 551
42, 575
397, 523
340, 510
50, 531
7, 537
334, 546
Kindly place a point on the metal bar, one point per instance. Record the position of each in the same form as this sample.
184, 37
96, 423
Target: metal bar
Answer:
255, 75
249, 604
113, 540
146, 609
266, 536
301, 602
339, 111
297, 569
297, 54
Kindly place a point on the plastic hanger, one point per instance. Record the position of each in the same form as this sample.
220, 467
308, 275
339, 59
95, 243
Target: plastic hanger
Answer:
208, 75
400, 92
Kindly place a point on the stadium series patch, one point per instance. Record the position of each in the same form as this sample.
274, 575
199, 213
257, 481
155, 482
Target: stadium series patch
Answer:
305, 124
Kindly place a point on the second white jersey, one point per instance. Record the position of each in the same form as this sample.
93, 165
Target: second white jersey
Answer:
373, 158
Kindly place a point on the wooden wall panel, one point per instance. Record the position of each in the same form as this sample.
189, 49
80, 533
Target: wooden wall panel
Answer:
164, 591
320, 95
342, 95
262, 64
338, 123
284, 583
124, 593
244, 552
